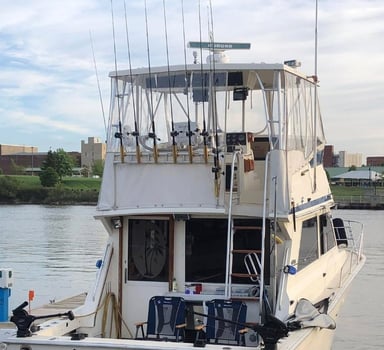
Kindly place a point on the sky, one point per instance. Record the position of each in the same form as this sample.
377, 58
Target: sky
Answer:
55, 57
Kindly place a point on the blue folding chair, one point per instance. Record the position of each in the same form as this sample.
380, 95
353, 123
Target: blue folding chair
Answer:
166, 319
225, 321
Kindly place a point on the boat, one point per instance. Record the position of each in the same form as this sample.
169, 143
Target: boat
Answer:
219, 216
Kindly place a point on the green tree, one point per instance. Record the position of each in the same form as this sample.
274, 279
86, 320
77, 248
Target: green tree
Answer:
97, 167
49, 177
64, 163
60, 163
17, 169
8, 187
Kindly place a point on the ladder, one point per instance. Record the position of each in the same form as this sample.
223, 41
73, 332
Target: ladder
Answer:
250, 257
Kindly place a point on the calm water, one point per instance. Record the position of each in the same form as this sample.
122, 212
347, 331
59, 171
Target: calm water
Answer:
53, 251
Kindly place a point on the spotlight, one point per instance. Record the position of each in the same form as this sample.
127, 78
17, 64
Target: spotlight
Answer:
116, 223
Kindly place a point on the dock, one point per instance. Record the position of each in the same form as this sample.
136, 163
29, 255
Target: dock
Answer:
58, 307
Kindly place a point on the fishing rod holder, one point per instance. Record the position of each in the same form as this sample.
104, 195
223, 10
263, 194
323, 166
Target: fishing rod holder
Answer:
23, 320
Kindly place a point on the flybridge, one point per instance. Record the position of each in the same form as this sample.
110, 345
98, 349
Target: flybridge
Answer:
218, 46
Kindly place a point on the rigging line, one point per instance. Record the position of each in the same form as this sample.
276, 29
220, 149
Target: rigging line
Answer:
98, 84
153, 133
174, 133
187, 88
119, 134
136, 132
204, 133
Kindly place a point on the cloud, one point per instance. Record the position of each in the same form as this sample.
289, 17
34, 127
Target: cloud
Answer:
48, 88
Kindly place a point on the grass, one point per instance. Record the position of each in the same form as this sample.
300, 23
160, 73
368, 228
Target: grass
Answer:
340, 191
76, 183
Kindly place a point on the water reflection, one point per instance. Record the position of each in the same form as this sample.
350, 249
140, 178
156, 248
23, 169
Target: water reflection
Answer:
51, 250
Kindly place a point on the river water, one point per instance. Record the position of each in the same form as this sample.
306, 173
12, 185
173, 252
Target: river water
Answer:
53, 251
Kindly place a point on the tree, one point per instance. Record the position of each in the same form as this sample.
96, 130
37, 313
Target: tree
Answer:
60, 163
49, 177
97, 167
8, 187
17, 169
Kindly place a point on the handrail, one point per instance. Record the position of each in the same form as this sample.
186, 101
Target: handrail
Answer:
228, 279
263, 230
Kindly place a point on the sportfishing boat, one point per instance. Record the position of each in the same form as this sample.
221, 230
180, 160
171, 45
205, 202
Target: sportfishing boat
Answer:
218, 212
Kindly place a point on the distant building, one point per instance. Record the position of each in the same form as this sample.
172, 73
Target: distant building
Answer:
13, 149
329, 157
92, 151
350, 159
375, 161
28, 158
30, 162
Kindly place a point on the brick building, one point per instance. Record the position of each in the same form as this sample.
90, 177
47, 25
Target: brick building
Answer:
27, 158
375, 161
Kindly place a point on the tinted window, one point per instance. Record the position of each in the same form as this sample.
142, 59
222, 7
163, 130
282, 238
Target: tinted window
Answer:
309, 243
206, 248
148, 250
327, 235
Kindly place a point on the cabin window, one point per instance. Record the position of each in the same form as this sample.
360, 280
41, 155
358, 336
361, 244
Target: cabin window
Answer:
309, 250
148, 250
206, 248
327, 236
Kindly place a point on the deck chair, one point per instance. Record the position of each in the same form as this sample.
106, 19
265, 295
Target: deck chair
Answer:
166, 319
225, 321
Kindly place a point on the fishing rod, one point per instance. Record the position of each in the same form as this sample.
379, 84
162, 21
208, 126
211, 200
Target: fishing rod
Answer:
136, 133
216, 167
119, 134
98, 84
315, 108
190, 133
152, 117
204, 133
174, 133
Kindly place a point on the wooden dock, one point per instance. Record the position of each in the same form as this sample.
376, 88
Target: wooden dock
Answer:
60, 306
